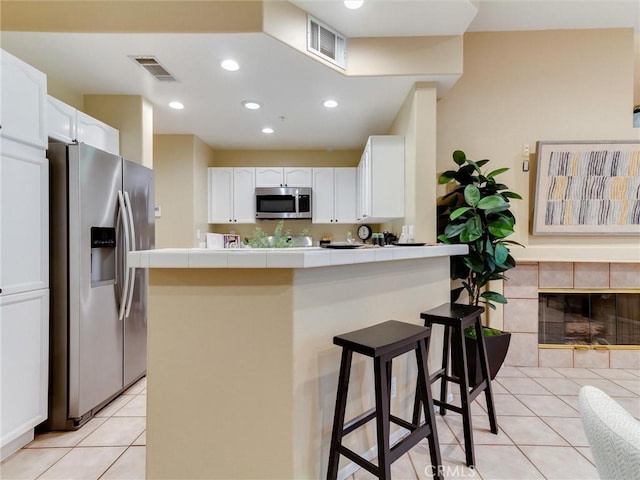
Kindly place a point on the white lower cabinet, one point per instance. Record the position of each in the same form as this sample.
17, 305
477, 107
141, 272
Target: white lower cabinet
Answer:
334, 195
24, 357
231, 193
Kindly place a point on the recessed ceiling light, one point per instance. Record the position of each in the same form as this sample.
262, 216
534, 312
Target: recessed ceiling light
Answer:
267, 130
330, 103
353, 4
251, 104
230, 65
176, 105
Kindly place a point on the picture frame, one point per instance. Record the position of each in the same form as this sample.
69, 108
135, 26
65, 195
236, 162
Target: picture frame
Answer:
587, 188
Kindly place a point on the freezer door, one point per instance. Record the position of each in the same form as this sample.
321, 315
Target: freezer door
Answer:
95, 334
139, 186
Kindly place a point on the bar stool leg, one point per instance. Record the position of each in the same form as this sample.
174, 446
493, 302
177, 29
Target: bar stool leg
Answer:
338, 420
445, 365
458, 338
484, 367
382, 418
424, 388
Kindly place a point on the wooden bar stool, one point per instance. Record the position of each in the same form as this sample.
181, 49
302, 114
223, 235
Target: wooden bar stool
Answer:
384, 342
455, 318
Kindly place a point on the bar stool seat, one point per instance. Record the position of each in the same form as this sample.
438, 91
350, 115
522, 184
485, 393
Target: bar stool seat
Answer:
455, 318
384, 342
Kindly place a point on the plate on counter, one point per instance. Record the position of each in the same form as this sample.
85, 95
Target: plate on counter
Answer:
412, 244
344, 246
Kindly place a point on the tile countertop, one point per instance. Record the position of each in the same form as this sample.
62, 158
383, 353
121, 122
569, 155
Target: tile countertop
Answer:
281, 257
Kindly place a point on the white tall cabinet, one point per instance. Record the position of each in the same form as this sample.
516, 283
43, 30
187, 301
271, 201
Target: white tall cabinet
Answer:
334, 195
231, 195
24, 252
380, 179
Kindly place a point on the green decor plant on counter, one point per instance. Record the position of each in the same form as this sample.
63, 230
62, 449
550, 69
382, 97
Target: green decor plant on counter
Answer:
477, 213
280, 238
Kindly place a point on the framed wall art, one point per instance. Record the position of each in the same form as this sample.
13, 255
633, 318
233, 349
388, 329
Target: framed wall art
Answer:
587, 188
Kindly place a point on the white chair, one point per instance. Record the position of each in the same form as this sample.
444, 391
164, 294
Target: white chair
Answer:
613, 434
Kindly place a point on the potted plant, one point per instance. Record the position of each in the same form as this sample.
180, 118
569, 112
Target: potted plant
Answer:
477, 213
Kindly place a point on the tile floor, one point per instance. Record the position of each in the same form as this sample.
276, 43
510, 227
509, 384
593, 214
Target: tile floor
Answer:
111, 446
540, 435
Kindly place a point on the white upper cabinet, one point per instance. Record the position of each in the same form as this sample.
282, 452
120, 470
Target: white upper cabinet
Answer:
23, 102
283, 177
231, 195
61, 121
380, 180
67, 124
98, 134
334, 195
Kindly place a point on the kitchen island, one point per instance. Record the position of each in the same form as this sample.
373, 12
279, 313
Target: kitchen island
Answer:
242, 370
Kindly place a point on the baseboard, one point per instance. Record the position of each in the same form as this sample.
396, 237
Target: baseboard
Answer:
16, 444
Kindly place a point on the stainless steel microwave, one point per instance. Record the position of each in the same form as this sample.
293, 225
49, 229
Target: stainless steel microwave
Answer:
283, 202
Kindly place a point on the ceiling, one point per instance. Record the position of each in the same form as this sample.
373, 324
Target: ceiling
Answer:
291, 86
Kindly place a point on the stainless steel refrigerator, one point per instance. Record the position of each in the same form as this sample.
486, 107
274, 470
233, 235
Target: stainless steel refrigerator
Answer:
102, 206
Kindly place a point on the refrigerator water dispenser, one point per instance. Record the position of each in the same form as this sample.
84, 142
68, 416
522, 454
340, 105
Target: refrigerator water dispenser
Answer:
103, 255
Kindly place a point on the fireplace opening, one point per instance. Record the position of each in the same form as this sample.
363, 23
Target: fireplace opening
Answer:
602, 318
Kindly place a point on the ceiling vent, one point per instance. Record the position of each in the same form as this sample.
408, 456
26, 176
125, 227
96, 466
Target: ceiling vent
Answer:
151, 65
326, 42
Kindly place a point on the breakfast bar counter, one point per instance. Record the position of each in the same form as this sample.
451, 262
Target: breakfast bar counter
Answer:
242, 371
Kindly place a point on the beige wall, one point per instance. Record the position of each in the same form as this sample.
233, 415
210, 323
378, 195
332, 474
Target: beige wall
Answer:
132, 115
416, 120
521, 87
63, 93
180, 167
132, 16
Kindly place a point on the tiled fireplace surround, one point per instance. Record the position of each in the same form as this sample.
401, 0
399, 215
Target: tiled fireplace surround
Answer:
521, 311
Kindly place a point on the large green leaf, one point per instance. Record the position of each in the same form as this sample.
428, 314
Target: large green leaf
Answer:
497, 172
459, 157
511, 195
459, 211
474, 262
454, 229
483, 162
472, 230
500, 228
494, 297
491, 202
471, 195
446, 177
501, 254
444, 239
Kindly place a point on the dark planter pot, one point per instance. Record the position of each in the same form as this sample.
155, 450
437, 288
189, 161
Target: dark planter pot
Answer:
497, 347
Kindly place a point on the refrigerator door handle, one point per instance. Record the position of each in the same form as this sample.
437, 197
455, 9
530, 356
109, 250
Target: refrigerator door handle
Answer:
132, 248
125, 286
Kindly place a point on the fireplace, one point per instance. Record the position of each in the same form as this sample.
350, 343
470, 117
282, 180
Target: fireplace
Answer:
573, 314
589, 318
